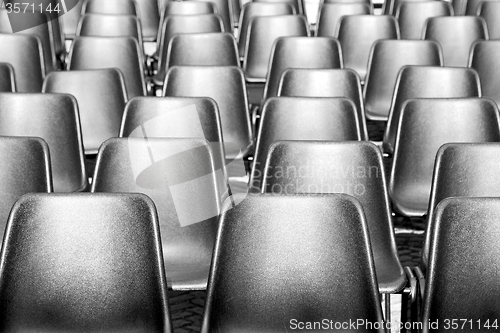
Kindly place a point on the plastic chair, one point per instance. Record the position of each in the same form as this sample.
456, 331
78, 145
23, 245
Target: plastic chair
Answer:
459, 7
179, 176
319, 160
230, 95
25, 169
225, 10
472, 7
387, 57
7, 78
325, 83
54, 118
357, 33
330, 14
464, 262
70, 21
150, 19
205, 49
113, 7
271, 271
390, 7
24, 54
425, 125
78, 262
456, 36
261, 35
101, 98
257, 9
489, 11
413, 15
102, 25
300, 52
123, 53
484, 59
174, 8
302, 118
427, 82
297, 5
461, 170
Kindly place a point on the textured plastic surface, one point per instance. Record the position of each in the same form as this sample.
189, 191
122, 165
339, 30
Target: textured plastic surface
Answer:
113, 7
412, 16
484, 58
149, 13
70, 20
7, 78
425, 125
83, 262
225, 10
101, 25
303, 257
489, 11
331, 13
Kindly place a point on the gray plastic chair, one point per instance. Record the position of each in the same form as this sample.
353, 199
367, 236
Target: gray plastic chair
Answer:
7, 78
225, 10
325, 83
25, 169
123, 53
425, 125
101, 98
427, 82
302, 118
179, 176
413, 15
484, 59
456, 36
102, 25
330, 14
298, 5
83, 262
226, 85
114, 7
70, 20
390, 6
357, 33
149, 18
317, 162
54, 118
271, 270
489, 11
387, 57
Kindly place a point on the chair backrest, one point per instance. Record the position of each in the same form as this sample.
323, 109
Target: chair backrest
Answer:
300, 52
354, 168
298, 82
123, 53
149, 18
255, 9
427, 82
179, 176
70, 20
298, 5
472, 6
413, 15
387, 57
101, 98
390, 6
456, 34
229, 93
484, 59
489, 11
461, 170
368, 2
178, 117
330, 14
25, 169
261, 36
357, 33
54, 118
114, 7
459, 7
78, 262
425, 125
174, 8
267, 254
225, 10
102, 25
24, 54
302, 118
7, 78
464, 262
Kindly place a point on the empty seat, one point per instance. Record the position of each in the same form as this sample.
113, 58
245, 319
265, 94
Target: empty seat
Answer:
463, 272
298, 5
173, 8
256, 9
70, 20
114, 7
302, 118
456, 36
318, 162
273, 271
261, 35
205, 49
24, 54
325, 83
149, 18
462, 170
54, 118
225, 10
425, 125
25, 169
7, 78
331, 13
472, 6
427, 82
123, 53
459, 7
390, 6
357, 33
387, 57
179, 176
489, 11
102, 25
300, 52
412, 16
229, 93
79, 262
101, 98
484, 59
